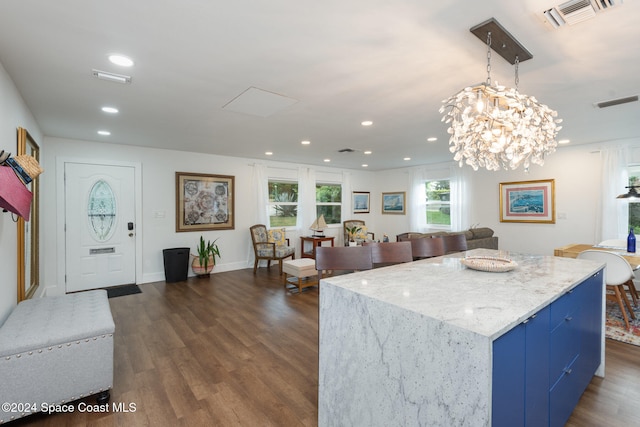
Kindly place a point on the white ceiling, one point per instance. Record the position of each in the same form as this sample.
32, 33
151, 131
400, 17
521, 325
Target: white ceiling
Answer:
327, 64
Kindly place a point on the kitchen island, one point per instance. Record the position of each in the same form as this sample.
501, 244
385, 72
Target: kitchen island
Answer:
434, 343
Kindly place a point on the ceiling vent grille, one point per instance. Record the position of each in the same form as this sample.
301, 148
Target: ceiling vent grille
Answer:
111, 77
612, 102
575, 11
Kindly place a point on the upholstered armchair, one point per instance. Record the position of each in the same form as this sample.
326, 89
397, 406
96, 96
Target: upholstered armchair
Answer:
361, 236
270, 245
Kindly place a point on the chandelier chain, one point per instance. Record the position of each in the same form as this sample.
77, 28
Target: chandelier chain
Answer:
489, 58
517, 63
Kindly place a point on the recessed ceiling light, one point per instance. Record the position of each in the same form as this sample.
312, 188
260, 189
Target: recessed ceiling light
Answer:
104, 132
564, 141
121, 60
268, 153
365, 165
110, 110
368, 152
432, 139
407, 158
305, 142
366, 123
327, 160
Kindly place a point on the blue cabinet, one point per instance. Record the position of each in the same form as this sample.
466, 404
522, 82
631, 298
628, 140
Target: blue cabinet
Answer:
542, 366
521, 374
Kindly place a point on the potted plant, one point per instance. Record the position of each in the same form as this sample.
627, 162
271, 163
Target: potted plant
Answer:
206, 259
352, 231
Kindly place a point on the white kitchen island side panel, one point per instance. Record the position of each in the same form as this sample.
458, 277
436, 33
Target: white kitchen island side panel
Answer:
382, 365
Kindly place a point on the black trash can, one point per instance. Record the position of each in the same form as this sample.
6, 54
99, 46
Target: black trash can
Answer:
176, 264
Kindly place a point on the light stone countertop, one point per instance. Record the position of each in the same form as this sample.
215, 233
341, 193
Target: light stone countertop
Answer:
485, 303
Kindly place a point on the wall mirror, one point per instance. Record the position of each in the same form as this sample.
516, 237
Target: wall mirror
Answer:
28, 231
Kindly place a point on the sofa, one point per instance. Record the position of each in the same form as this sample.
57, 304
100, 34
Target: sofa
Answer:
477, 237
56, 350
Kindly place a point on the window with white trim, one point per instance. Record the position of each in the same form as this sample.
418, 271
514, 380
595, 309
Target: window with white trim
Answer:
283, 203
634, 206
329, 202
438, 193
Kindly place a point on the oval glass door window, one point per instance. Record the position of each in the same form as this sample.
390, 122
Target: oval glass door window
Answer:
101, 211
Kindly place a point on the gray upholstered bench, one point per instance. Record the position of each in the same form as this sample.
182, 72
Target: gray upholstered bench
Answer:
55, 350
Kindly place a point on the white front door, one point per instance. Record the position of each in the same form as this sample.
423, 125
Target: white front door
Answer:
100, 229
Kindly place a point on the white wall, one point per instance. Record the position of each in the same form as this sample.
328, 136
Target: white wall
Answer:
158, 211
13, 114
577, 174
576, 171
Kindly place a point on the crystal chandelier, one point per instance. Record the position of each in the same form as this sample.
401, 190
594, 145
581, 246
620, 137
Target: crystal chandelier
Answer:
496, 127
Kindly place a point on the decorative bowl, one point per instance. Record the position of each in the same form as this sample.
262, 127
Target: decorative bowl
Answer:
487, 263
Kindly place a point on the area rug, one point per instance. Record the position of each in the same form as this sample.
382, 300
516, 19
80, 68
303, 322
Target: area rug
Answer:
616, 328
119, 291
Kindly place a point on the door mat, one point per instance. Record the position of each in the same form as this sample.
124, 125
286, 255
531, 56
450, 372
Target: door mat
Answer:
616, 328
119, 291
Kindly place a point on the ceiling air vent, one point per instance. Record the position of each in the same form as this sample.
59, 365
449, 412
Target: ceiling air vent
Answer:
111, 77
575, 11
347, 150
612, 102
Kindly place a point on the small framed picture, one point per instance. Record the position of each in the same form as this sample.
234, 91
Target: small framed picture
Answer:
528, 201
360, 201
394, 203
204, 202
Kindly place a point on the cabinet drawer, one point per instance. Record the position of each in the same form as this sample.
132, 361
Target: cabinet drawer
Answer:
564, 396
564, 345
563, 308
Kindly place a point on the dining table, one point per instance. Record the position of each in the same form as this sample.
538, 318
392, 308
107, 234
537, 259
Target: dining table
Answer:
572, 250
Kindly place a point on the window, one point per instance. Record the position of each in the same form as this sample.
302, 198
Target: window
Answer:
438, 203
634, 207
329, 202
283, 203
101, 211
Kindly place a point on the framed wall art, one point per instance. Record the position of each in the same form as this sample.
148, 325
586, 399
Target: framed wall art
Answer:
528, 201
360, 202
204, 202
394, 203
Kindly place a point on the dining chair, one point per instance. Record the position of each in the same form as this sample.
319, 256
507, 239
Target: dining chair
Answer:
389, 253
621, 244
454, 243
350, 258
617, 273
427, 247
614, 243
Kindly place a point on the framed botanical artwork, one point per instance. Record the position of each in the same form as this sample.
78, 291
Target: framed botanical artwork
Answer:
360, 202
394, 203
528, 201
204, 202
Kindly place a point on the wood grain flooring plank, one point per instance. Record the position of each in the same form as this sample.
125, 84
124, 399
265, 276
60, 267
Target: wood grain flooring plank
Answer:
237, 349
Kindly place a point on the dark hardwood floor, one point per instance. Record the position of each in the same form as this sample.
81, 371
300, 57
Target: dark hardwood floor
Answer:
238, 350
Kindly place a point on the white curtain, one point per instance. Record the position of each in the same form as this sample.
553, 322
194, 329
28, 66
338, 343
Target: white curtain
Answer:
417, 207
306, 198
261, 197
614, 214
346, 195
261, 189
459, 198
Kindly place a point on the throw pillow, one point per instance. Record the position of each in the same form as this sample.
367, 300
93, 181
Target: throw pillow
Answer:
482, 232
276, 235
362, 234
